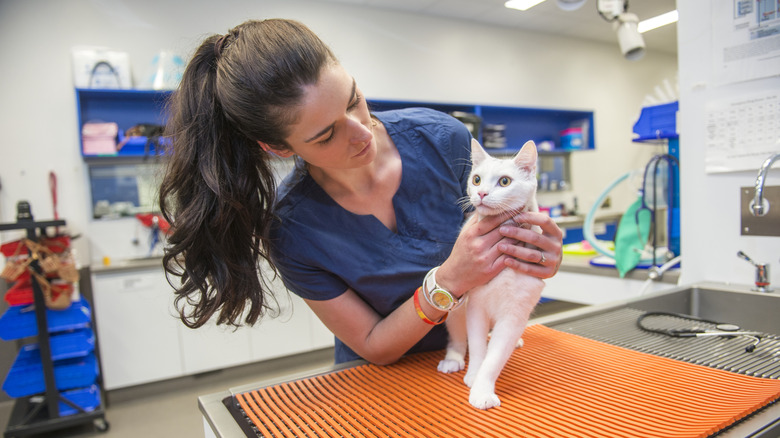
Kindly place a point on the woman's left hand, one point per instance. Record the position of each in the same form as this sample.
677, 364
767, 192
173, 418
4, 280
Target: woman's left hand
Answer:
542, 255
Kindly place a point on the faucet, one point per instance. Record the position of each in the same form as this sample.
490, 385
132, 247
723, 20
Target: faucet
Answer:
757, 204
762, 273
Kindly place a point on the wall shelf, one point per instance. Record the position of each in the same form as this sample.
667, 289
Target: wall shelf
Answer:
132, 107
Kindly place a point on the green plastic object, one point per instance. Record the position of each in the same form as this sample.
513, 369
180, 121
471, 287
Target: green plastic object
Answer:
632, 234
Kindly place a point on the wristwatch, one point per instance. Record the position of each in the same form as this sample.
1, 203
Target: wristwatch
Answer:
436, 295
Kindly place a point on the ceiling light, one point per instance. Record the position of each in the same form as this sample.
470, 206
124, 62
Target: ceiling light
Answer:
570, 5
522, 5
656, 22
632, 45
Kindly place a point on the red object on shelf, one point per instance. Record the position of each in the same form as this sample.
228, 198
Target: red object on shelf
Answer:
57, 244
21, 293
147, 219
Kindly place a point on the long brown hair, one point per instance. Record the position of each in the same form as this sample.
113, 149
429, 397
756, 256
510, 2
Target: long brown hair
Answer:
218, 191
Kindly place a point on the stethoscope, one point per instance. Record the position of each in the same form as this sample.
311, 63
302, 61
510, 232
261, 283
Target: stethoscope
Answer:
721, 329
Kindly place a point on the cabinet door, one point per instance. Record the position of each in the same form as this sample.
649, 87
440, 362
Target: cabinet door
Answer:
289, 333
137, 330
214, 347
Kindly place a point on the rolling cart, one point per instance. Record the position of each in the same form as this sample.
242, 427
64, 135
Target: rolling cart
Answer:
66, 391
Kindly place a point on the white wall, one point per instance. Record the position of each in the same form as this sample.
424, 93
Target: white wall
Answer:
392, 55
710, 202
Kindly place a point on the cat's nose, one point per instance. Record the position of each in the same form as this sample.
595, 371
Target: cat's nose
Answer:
482, 195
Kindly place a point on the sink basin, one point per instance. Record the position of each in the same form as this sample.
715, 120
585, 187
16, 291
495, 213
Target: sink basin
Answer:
616, 323
756, 311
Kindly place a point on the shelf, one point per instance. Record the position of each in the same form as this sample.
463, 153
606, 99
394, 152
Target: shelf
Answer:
55, 363
132, 107
126, 108
522, 124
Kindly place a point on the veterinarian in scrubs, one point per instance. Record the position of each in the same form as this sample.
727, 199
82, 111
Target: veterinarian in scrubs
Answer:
374, 202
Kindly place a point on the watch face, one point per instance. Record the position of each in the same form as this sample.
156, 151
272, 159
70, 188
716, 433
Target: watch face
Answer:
442, 299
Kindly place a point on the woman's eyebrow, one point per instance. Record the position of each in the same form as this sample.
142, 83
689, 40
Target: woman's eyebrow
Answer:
329, 127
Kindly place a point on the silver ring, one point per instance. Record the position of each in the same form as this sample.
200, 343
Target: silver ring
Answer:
543, 259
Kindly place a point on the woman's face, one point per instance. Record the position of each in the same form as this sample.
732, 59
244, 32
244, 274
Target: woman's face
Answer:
333, 128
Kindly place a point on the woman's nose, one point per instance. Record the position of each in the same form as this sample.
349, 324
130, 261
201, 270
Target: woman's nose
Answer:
360, 132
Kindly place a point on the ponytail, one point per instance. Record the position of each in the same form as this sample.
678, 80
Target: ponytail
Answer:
218, 191
217, 194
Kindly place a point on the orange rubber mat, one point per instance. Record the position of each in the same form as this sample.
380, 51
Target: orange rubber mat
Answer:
557, 385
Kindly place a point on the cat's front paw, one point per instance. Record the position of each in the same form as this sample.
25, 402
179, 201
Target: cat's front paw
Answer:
484, 399
519, 343
451, 365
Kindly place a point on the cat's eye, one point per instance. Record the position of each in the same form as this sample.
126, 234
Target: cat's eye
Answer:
476, 180
504, 181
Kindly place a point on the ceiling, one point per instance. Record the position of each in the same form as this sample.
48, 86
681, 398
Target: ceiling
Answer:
546, 17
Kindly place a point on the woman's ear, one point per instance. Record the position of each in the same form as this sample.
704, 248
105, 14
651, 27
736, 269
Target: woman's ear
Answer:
283, 153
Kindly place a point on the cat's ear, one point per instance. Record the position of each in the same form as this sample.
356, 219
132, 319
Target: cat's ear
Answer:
526, 158
478, 154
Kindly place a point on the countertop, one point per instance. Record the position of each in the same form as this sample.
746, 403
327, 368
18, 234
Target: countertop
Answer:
218, 421
127, 265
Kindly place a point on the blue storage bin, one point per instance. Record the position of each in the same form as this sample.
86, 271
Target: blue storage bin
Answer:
86, 398
76, 343
657, 122
19, 321
26, 375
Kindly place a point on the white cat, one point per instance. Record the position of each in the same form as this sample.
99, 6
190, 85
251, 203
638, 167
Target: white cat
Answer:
504, 304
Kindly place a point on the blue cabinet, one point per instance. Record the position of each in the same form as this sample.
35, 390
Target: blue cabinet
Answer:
520, 124
128, 108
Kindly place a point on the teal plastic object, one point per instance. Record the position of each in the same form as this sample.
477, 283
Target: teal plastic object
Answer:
631, 238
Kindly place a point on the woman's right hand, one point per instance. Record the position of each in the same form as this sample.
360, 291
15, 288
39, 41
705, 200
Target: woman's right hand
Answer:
475, 258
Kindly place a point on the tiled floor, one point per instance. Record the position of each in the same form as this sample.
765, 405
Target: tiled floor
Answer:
170, 409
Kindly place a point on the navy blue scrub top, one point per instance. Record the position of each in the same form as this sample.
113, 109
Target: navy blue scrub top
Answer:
321, 249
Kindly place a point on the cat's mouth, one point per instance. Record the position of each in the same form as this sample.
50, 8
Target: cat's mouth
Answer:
488, 209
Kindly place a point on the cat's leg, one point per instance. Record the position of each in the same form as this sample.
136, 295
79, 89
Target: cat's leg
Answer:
455, 359
502, 343
478, 328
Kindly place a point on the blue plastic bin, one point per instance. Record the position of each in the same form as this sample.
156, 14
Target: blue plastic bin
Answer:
19, 321
86, 398
67, 345
656, 122
26, 375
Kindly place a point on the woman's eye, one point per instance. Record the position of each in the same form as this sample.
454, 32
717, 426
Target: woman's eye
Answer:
328, 139
476, 180
505, 181
358, 99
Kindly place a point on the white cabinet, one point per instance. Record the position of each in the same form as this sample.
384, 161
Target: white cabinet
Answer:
137, 333
596, 289
213, 347
142, 340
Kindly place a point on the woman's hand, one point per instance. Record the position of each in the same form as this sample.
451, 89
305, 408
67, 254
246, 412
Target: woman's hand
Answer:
542, 255
476, 257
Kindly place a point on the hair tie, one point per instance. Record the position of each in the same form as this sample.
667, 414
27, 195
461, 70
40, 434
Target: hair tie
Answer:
220, 44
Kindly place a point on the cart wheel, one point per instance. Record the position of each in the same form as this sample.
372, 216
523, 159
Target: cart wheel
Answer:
101, 424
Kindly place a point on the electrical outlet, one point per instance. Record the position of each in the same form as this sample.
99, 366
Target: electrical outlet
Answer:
767, 225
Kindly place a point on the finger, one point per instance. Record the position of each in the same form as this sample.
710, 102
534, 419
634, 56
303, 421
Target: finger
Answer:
534, 269
544, 221
528, 236
488, 223
523, 253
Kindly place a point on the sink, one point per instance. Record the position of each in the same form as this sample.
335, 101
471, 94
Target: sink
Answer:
756, 311
616, 323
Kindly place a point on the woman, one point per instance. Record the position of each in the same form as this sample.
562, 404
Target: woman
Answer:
371, 207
